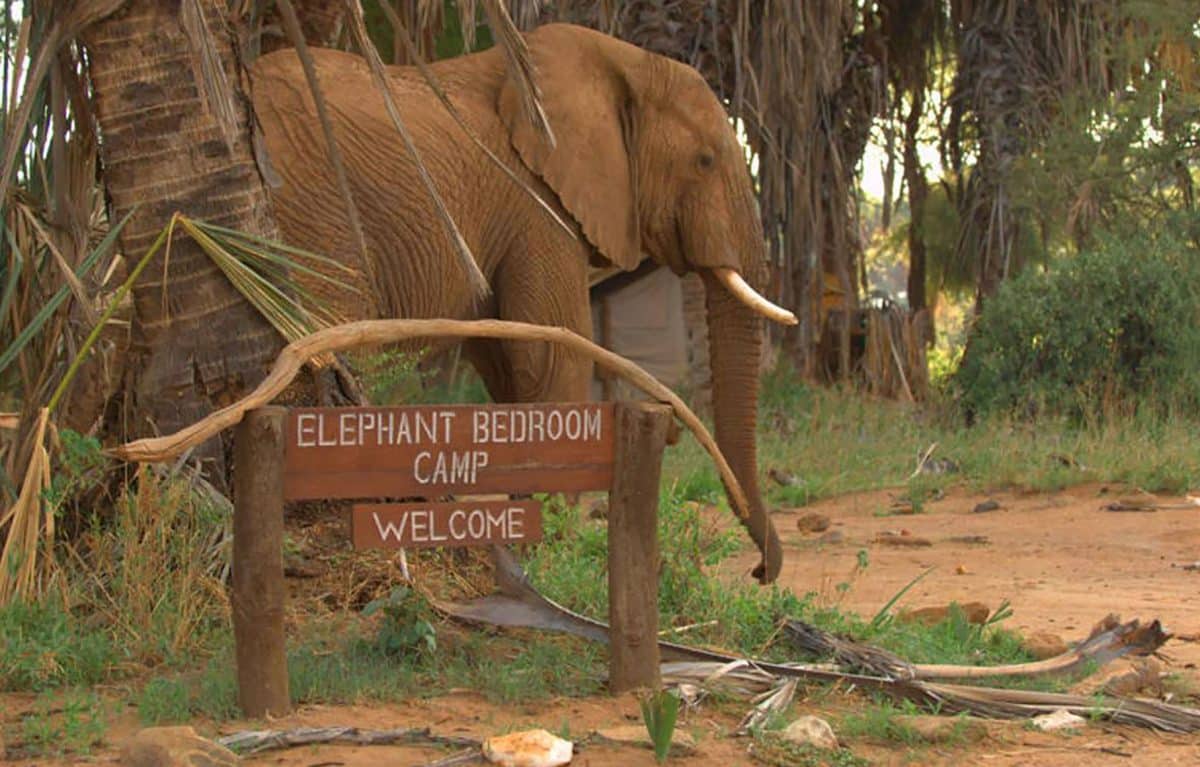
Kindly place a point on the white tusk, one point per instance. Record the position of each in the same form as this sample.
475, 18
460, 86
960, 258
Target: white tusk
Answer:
734, 283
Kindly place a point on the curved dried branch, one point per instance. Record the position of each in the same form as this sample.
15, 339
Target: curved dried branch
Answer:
375, 332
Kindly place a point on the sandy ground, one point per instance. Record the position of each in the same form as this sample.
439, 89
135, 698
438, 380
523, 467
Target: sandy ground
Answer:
1060, 560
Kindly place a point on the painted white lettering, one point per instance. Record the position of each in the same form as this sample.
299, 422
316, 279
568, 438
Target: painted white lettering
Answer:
574, 425
422, 477
458, 524
306, 430
479, 461
536, 422
476, 524
427, 427
441, 474
433, 529
321, 438
346, 429
420, 526
481, 433
390, 529
461, 469
516, 523
499, 426
554, 425
447, 424
591, 424
366, 422
403, 431
496, 523
519, 425
387, 425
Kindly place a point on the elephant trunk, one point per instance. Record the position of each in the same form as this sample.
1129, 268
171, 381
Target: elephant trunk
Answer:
735, 348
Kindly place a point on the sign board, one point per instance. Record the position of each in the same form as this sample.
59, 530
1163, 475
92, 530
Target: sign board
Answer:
460, 523
435, 450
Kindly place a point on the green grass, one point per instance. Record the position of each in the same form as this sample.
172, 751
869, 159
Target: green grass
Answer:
73, 721
43, 646
835, 441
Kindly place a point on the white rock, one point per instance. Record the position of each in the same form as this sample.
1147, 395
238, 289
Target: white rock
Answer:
529, 748
811, 730
1058, 720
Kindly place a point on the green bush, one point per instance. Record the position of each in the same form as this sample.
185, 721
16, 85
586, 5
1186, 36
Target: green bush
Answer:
1112, 328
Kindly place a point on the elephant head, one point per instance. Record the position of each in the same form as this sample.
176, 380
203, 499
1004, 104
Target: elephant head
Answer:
645, 159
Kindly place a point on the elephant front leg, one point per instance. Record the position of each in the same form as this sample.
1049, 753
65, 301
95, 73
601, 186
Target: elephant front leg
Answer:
541, 292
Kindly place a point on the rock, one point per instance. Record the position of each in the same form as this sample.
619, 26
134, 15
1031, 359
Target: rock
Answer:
988, 505
1043, 645
961, 570
174, 747
636, 735
784, 478
974, 612
903, 538
833, 536
528, 748
810, 731
812, 522
944, 729
1058, 720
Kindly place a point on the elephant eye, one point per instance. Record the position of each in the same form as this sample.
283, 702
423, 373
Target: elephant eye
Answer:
705, 160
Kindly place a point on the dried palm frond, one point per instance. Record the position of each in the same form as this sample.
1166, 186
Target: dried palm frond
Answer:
358, 31
414, 55
520, 66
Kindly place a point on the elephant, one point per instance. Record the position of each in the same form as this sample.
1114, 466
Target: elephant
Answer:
644, 161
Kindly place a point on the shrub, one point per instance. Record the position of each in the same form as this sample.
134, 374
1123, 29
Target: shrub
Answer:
1115, 327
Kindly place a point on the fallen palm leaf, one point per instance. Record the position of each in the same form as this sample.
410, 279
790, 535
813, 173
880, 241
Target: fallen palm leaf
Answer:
522, 606
1109, 641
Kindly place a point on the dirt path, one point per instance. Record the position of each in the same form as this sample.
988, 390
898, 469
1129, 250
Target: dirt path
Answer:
1061, 561
1057, 558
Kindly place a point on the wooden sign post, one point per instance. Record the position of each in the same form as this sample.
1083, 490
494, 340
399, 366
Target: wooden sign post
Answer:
433, 452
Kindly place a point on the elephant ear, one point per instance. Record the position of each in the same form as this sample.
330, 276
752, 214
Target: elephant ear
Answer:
588, 102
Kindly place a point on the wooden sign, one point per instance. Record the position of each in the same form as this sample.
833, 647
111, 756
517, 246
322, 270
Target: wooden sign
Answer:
460, 523
433, 450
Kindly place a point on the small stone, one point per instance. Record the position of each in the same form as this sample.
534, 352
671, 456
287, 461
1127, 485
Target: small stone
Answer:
636, 735
904, 538
812, 522
961, 570
1058, 720
811, 731
528, 748
174, 747
988, 505
944, 729
833, 536
1043, 645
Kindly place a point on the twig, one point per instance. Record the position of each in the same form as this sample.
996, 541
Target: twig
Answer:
256, 741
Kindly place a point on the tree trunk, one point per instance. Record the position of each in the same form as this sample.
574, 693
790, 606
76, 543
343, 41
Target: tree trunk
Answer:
918, 191
175, 136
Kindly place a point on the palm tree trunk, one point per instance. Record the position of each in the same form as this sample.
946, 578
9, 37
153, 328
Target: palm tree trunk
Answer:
175, 136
